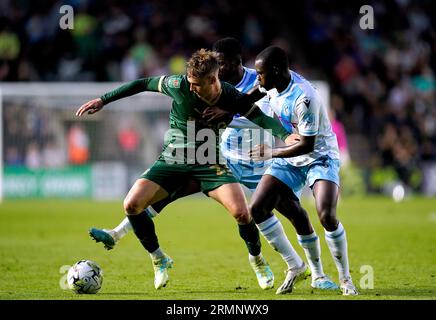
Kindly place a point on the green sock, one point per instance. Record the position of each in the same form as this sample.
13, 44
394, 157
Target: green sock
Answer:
250, 234
144, 230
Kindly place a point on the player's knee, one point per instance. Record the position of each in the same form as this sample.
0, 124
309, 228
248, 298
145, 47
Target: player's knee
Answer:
240, 213
327, 217
131, 206
257, 211
243, 219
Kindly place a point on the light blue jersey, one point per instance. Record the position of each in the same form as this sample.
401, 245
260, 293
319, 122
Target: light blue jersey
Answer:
241, 135
299, 108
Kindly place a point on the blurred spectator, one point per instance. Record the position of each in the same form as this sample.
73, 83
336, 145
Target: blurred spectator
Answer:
33, 158
177, 64
10, 47
53, 156
129, 139
13, 157
87, 43
78, 145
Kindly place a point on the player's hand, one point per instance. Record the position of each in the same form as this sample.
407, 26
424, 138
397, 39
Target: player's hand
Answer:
260, 152
90, 107
215, 114
292, 139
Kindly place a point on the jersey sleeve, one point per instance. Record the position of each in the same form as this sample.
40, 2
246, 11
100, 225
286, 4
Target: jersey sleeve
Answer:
262, 120
307, 112
264, 105
240, 103
172, 86
131, 88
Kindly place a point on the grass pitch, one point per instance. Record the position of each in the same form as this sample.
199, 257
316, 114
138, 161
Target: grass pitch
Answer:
396, 240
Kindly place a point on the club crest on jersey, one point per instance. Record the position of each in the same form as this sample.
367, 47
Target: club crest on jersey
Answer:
286, 107
308, 120
174, 83
306, 102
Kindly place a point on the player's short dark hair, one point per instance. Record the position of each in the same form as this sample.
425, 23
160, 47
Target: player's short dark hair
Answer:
228, 46
202, 63
274, 56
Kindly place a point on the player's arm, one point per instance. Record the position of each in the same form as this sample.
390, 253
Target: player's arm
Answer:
304, 146
244, 104
296, 145
262, 120
308, 124
129, 89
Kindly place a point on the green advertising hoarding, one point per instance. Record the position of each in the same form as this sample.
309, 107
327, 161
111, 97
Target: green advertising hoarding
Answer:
20, 182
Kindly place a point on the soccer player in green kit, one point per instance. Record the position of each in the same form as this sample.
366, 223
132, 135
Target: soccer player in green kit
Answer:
192, 94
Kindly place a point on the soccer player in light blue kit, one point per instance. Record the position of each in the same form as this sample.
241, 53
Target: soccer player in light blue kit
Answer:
313, 159
236, 141
237, 137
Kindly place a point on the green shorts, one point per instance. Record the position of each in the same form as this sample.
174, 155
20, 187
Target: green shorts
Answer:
171, 176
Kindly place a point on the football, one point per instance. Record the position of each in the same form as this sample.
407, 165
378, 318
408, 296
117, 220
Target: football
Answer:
85, 277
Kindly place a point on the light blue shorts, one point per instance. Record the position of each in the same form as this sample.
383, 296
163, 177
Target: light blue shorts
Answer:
249, 173
323, 168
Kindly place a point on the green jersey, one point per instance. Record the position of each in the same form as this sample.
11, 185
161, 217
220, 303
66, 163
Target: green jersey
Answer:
186, 133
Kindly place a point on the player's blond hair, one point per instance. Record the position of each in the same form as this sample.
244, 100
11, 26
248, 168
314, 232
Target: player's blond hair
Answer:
202, 63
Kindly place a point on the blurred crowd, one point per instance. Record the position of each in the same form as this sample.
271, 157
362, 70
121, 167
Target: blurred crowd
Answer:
29, 137
120, 40
382, 80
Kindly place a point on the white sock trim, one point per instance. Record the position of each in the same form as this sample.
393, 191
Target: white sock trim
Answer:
275, 235
307, 238
332, 235
151, 212
123, 228
266, 227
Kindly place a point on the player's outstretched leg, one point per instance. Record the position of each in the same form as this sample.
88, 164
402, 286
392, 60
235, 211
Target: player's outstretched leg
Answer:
106, 236
143, 193
263, 201
326, 194
110, 237
290, 207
